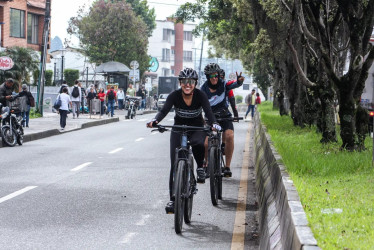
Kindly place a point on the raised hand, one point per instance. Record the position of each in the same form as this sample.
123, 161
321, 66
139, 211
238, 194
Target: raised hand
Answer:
239, 77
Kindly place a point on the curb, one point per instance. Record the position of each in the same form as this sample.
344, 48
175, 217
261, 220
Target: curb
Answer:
283, 222
52, 132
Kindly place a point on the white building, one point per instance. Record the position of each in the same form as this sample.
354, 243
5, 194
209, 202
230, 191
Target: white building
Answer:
171, 48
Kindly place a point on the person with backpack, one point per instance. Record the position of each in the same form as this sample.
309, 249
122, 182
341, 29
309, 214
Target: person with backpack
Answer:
111, 97
76, 96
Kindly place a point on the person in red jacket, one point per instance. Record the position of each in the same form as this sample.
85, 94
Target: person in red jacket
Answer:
258, 99
101, 96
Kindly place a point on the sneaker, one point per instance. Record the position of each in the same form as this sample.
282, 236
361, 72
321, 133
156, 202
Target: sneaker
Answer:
200, 175
62, 128
169, 208
227, 172
207, 175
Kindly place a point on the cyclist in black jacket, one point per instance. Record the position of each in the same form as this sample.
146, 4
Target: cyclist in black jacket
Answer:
217, 90
188, 103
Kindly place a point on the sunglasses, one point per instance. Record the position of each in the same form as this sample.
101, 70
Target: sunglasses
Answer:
213, 76
188, 81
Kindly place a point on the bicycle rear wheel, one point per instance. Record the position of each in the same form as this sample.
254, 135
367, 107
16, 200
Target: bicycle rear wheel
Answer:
212, 164
180, 184
189, 192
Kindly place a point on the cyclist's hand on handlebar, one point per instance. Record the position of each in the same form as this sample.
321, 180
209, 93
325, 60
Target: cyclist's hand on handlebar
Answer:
216, 127
152, 123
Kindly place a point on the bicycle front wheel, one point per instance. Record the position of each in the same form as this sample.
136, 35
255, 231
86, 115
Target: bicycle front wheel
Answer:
180, 184
190, 192
212, 164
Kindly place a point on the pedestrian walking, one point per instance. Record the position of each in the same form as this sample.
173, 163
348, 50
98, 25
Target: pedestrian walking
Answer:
64, 85
111, 97
76, 96
120, 98
142, 93
250, 100
90, 96
26, 101
64, 108
83, 97
130, 91
101, 96
258, 99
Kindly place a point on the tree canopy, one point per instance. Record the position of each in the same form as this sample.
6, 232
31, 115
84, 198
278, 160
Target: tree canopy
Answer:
111, 31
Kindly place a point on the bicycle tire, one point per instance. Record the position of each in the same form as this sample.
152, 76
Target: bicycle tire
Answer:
189, 200
220, 165
212, 164
179, 196
9, 140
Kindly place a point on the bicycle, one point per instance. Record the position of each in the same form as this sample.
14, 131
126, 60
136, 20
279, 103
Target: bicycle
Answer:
216, 162
184, 177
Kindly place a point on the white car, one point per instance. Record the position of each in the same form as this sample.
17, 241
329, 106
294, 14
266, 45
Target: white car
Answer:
161, 101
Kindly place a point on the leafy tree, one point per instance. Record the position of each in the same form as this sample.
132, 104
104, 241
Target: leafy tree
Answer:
111, 31
25, 61
35, 76
48, 77
141, 8
70, 75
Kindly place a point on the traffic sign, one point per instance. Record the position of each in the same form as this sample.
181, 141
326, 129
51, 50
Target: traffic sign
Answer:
134, 65
6, 63
134, 73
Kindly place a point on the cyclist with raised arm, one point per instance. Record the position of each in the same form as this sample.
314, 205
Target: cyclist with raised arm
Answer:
217, 90
188, 102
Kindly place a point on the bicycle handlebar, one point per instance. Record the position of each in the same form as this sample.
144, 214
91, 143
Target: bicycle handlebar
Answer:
232, 119
163, 128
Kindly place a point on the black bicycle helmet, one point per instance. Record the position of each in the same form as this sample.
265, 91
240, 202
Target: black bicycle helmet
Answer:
211, 68
188, 73
221, 72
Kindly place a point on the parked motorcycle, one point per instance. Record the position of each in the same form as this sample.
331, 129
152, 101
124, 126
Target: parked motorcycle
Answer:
11, 126
132, 104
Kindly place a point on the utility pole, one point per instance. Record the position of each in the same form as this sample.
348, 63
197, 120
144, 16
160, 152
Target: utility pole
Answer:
201, 58
86, 77
41, 80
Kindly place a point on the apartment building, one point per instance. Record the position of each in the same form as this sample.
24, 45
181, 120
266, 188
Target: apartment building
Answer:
171, 48
21, 23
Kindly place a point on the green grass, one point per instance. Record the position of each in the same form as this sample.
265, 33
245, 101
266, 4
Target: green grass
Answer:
327, 178
34, 114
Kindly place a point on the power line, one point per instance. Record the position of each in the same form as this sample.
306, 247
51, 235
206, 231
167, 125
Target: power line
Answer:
171, 4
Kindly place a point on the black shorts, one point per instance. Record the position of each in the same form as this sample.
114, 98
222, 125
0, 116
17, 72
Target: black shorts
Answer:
226, 125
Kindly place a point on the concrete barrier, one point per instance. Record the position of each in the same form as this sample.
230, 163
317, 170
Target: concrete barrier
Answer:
283, 222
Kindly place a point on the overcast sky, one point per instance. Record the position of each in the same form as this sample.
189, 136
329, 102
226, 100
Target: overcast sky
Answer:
62, 10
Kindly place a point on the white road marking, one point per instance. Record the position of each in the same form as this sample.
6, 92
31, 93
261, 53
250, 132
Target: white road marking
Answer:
139, 139
141, 120
171, 120
127, 238
115, 151
142, 221
19, 192
81, 166
155, 133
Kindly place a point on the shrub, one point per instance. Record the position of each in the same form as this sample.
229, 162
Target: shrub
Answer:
238, 99
70, 75
35, 75
48, 77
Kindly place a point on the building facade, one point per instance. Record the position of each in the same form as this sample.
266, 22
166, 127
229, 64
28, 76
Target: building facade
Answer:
22, 23
171, 48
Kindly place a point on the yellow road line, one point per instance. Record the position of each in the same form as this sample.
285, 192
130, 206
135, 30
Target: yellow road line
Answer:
238, 235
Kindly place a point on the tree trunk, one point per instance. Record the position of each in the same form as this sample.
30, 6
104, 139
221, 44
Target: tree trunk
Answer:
362, 126
328, 119
347, 113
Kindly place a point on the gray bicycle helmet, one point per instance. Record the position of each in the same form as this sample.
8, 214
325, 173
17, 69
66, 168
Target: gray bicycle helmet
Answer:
221, 72
211, 68
188, 73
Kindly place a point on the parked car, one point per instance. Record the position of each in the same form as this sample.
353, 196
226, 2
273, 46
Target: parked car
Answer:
161, 101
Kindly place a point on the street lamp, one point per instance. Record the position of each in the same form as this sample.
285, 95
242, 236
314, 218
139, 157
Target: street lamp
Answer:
62, 64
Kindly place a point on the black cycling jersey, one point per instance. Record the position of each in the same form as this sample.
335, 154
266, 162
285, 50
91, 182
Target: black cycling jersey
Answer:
187, 115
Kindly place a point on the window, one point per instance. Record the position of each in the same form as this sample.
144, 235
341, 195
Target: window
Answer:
17, 23
166, 55
167, 33
187, 35
187, 56
245, 86
32, 28
165, 72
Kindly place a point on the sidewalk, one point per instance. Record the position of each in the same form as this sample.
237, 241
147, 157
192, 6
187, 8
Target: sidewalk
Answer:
49, 124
